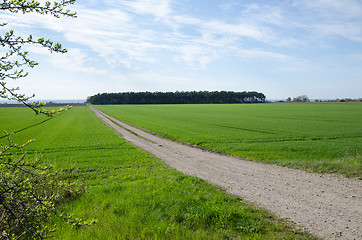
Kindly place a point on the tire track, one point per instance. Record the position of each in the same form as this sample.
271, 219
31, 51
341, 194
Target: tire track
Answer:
328, 206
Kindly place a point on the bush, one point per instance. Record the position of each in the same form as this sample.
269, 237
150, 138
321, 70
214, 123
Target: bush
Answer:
28, 193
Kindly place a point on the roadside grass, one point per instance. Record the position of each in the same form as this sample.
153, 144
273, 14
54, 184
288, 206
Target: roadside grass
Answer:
132, 194
324, 138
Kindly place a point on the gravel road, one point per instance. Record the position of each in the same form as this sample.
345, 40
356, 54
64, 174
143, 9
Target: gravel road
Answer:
326, 205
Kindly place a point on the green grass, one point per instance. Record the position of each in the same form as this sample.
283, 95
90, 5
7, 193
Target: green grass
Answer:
132, 194
317, 137
14, 119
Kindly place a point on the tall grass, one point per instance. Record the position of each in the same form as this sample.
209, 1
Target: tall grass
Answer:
318, 137
133, 195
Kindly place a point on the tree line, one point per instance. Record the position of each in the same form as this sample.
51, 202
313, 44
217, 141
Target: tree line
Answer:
193, 97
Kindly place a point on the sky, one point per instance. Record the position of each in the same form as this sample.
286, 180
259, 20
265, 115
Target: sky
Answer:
282, 48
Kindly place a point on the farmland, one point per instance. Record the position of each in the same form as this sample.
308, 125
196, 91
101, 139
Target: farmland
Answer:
130, 193
317, 137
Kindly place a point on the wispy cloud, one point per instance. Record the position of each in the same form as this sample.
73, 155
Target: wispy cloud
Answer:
158, 8
196, 56
347, 9
332, 18
76, 60
118, 36
220, 28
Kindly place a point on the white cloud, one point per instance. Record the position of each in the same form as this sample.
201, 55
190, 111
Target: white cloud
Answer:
126, 41
75, 60
158, 8
221, 28
332, 18
269, 14
196, 56
117, 37
346, 30
261, 54
346, 9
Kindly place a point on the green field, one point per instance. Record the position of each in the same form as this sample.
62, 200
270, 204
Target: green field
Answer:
130, 193
317, 137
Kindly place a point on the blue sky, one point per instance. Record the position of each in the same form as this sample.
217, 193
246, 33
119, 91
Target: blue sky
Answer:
280, 48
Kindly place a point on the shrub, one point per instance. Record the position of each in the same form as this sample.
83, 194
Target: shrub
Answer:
28, 193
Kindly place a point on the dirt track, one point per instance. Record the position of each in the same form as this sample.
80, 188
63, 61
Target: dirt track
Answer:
326, 205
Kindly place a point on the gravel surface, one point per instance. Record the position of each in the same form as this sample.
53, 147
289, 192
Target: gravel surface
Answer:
328, 206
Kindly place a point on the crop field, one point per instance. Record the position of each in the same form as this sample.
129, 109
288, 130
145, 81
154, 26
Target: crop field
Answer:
130, 193
316, 137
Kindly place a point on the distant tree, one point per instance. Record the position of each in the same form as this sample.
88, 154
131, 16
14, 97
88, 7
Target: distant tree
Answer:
302, 98
305, 99
288, 100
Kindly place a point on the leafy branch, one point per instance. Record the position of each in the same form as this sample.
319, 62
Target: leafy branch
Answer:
29, 189
28, 193
12, 63
25, 6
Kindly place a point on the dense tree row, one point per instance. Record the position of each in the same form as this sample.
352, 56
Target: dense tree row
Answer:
193, 97
302, 98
